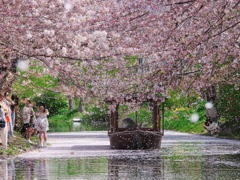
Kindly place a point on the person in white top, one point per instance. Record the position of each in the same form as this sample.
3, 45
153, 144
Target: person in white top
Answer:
27, 115
3, 130
42, 125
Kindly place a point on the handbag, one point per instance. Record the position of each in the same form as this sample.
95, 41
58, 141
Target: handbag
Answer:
32, 120
2, 123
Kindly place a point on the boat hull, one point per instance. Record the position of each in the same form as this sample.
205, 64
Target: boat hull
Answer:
135, 140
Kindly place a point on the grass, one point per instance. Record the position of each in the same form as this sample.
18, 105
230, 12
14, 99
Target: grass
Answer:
18, 145
65, 115
184, 126
180, 122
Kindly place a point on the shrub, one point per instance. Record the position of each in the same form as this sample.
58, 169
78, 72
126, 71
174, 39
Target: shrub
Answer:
228, 103
55, 102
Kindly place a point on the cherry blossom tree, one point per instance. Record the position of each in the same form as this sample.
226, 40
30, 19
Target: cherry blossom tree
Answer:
110, 48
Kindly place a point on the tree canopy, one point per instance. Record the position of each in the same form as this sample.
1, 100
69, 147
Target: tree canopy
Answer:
113, 47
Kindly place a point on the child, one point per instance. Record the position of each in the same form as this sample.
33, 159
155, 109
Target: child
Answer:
208, 122
211, 126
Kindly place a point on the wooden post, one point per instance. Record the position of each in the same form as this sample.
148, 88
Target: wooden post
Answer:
116, 118
112, 128
155, 116
162, 110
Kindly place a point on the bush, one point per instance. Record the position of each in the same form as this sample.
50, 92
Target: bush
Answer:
178, 119
55, 102
228, 103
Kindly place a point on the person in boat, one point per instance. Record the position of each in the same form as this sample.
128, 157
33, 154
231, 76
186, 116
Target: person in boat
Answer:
129, 123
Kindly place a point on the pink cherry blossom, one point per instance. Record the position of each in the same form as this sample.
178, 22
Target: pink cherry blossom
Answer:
95, 45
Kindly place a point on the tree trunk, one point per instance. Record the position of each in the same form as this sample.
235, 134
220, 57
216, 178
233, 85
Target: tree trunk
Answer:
81, 105
7, 75
209, 92
71, 102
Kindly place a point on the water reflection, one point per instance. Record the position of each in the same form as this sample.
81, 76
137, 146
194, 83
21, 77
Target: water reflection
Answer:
3, 169
181, 157
70, 126
76, 126
91, 168
28, 169
199, 161
136, 165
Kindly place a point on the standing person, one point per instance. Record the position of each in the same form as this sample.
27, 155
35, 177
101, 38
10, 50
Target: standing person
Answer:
211, 112
42, 123
3, 130
15, 101
8, 112
26, 115
22, 102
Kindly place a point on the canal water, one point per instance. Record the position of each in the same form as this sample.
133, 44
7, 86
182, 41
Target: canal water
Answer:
68, 126
182, 156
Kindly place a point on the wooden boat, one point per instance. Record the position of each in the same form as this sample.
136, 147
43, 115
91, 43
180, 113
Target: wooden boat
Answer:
137, 137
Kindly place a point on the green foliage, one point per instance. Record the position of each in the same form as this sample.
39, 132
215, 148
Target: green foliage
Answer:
28, 85
178, 119
55, 102
131, 60
179, 110
59, 126
228, 103
142, 116
96, 114
65, 115
112, 72
177, 100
